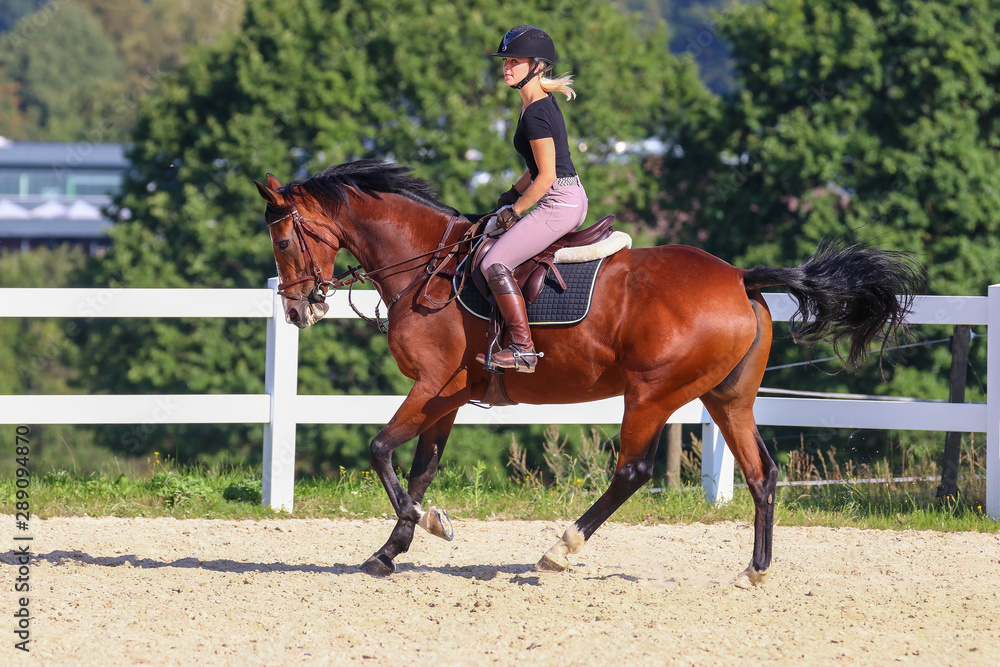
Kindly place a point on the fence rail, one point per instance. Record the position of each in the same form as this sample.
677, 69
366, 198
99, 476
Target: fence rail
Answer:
280, 408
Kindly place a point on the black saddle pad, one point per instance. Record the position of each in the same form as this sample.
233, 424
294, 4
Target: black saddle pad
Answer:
553, 305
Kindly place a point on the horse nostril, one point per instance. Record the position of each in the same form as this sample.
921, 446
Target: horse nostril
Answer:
293, 316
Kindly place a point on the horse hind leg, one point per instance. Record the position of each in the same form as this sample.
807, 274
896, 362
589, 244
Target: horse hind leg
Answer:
731, 406
430, 445
640, 435
761, 475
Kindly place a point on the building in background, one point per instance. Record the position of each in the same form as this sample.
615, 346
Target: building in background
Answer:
54, 193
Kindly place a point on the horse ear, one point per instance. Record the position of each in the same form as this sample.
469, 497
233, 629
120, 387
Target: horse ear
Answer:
273, 182
268, 194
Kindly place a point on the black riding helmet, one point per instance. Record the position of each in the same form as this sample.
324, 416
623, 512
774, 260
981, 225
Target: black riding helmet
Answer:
528, 41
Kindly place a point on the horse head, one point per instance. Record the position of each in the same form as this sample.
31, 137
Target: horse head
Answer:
300, 251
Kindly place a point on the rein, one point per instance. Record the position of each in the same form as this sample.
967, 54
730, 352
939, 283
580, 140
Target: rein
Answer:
355, 274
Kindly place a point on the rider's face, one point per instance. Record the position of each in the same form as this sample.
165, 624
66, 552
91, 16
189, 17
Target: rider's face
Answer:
515, 69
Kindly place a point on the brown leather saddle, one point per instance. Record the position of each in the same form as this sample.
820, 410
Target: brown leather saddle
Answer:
530, 275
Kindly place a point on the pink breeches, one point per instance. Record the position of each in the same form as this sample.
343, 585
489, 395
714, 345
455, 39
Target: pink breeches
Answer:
560, 211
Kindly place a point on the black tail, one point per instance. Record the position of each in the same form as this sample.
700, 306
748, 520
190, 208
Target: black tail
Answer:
854, 293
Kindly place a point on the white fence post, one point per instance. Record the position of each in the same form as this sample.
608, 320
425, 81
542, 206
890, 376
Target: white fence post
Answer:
717, 463
281, 384
993, 404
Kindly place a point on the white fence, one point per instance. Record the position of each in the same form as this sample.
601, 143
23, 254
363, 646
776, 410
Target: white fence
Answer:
280, 408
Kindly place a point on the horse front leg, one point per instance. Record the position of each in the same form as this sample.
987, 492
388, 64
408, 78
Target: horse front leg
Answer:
421, 410
425, 465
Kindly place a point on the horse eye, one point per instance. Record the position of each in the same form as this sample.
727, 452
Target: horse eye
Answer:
282, 245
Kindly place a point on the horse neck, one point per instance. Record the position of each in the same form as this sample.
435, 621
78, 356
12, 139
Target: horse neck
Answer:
391, 230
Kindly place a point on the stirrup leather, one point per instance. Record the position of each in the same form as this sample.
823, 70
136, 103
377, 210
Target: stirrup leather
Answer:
486, 358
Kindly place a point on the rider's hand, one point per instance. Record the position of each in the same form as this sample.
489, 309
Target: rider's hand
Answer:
506, 217
508, 198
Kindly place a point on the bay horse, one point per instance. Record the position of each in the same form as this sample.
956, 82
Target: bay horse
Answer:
668, 325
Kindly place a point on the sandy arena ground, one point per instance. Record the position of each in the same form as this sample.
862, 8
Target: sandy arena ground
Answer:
108, 591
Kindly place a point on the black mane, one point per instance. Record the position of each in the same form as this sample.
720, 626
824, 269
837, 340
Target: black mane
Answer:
372, 177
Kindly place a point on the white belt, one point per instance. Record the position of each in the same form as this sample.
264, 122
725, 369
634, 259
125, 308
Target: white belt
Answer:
568, 180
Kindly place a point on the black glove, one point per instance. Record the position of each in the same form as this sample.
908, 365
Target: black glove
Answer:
506, 217
508, 198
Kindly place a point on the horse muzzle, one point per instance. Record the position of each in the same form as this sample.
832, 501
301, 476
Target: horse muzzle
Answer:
305, 313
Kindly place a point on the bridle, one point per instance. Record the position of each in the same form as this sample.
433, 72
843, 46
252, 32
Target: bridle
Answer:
355, 274
322, 284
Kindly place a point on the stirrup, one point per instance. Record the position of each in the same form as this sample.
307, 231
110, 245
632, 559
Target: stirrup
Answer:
520, 357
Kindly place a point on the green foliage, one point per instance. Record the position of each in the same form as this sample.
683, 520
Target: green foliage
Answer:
911, 502
74, 70
67, 91
174, 489
248, 491
152, 36
307, 84
871, 121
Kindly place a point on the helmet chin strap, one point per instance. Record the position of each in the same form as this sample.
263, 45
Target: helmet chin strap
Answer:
535, 71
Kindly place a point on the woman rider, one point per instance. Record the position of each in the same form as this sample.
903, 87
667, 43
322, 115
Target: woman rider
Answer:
549, 184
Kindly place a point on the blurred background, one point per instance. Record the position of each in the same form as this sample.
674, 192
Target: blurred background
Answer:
130, 132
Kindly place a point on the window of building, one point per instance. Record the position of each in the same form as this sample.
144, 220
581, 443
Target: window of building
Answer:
52, 185
46, 184
10, 183
98, 183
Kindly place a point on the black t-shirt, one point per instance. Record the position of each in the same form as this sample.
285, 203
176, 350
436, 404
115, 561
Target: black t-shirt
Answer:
543, 119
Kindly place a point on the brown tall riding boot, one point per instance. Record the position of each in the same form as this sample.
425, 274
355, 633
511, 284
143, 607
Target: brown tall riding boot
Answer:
520, 354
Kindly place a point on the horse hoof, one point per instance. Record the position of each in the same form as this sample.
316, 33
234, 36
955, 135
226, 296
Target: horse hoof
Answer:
750, 577
378, 566
552, 563
437, 522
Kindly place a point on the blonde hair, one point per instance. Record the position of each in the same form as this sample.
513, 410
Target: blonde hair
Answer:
562, 84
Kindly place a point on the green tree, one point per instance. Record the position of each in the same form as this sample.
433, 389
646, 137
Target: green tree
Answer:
67, 73
75, 70
872, 121
310, 83
152, 37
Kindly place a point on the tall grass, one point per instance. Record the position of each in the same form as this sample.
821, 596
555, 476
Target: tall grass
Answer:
883, 495
571, 479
